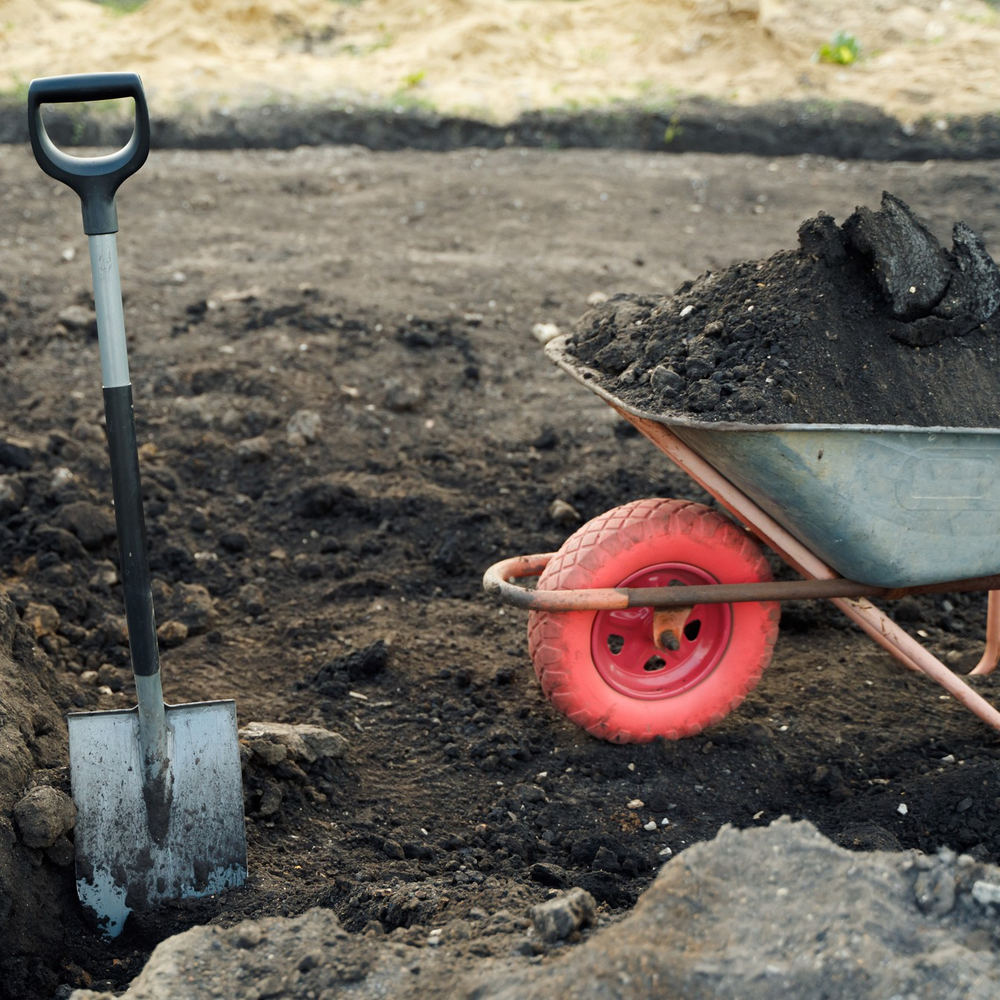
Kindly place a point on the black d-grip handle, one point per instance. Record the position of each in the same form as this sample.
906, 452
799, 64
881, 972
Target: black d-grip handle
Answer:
94, 178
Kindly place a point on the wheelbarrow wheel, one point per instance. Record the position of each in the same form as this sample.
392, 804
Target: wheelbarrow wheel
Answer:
602, 669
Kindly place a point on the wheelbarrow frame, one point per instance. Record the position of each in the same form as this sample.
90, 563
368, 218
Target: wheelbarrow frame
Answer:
671, 605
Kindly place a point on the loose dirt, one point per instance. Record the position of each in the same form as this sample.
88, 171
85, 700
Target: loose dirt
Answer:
344, 419
870, 322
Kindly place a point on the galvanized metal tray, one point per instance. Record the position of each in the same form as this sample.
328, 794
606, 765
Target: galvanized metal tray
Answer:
891, 506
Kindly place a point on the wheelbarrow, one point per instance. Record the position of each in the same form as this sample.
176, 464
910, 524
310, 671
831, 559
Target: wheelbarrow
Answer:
657, 618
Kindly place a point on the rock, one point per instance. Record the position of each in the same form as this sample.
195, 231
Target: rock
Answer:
556, 919
109, 676
392, 850
43, 619
93, 525
44, 815
986, 893
62, 853
270, 799
735, 916
273, 741
664, 379
78, 318
172, 633
192, 605
402, 396
564, 514
88, 430
251, 599
757, 913
255, 449
16, 454
304, 427
544, 332
310, 955
105, 575
232, 421
61, 541
234, 541
935, 891
12, 495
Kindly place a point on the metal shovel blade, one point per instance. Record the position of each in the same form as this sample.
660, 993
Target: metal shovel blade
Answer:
138, 844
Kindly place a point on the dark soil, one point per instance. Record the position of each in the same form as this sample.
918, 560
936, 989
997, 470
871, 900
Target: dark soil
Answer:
871, 322
331, 575
841, 129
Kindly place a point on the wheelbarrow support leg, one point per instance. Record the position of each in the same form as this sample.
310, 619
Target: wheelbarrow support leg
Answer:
991, 655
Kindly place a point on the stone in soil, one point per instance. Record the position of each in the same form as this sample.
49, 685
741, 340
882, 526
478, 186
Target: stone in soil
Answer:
871, 322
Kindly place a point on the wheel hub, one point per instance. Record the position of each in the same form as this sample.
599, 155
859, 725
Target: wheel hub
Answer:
629, 658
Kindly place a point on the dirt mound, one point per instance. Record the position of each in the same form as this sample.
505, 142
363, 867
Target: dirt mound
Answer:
36, 855
880, 924
872, 322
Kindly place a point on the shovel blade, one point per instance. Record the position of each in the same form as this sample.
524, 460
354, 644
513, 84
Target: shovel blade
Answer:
183, 837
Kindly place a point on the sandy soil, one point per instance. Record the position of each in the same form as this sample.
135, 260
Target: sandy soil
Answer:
497, 58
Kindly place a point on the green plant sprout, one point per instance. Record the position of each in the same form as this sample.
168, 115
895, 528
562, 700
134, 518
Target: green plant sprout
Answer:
842, 50
673, 129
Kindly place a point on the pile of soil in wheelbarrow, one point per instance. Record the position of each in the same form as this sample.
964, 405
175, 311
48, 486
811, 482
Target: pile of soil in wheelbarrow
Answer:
870, 322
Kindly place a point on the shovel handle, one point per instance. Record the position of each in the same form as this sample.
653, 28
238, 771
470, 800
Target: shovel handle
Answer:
94, 178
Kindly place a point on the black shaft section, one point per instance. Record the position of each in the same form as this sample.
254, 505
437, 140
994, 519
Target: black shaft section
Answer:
131, 525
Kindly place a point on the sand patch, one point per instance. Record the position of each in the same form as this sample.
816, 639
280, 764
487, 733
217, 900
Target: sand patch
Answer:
498, 58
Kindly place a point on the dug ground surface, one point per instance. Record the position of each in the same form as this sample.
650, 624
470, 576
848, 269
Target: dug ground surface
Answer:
328, 572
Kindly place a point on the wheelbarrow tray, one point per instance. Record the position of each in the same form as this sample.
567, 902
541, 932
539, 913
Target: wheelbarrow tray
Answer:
890, 506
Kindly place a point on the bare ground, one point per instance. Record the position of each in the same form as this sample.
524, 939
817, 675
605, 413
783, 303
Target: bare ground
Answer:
394, 294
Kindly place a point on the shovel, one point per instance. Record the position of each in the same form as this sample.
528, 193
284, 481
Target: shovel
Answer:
158, 788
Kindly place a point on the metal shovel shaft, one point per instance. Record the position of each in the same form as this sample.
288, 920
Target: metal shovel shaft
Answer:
127, 491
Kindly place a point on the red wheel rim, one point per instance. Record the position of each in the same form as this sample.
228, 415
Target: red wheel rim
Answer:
622, 641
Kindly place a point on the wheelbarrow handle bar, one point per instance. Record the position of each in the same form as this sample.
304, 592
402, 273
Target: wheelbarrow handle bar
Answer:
498, 582
94, 178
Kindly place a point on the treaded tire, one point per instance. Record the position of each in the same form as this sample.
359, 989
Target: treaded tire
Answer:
600, 668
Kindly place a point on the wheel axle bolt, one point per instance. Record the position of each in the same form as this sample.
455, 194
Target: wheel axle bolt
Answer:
669, 641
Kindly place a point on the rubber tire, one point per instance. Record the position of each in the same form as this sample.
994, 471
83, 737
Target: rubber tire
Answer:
607, 551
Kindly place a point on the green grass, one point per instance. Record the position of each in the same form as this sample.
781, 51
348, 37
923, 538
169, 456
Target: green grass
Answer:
842, 50
122, 6
15, 94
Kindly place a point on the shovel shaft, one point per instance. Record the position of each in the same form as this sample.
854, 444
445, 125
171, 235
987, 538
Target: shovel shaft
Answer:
108, 306
123, 449
127, 490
